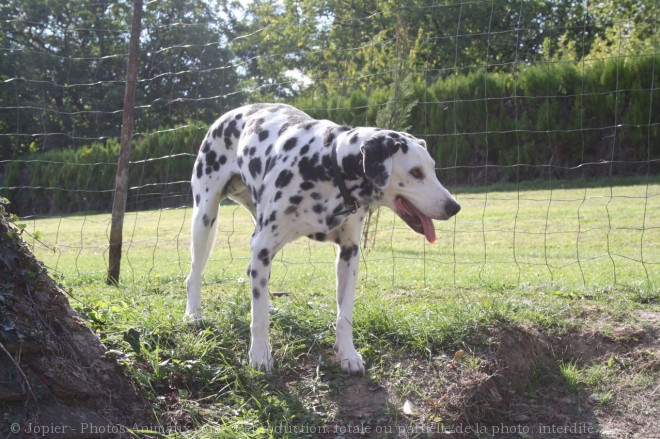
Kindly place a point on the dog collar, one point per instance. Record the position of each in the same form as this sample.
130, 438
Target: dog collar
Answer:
349, 202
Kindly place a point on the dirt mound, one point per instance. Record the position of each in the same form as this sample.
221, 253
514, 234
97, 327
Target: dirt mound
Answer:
55, 377
521, 390
514, 387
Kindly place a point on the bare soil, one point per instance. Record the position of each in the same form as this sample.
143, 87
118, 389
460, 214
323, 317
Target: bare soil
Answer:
515, 389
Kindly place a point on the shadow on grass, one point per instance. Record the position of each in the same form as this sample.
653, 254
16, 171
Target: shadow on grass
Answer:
498, 380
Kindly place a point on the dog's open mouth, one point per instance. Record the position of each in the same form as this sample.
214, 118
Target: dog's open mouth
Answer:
415, 219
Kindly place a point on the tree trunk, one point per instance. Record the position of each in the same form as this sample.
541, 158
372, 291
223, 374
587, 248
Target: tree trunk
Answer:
56, 379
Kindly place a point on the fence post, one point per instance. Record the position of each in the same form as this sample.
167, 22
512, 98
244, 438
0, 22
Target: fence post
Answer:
128, 121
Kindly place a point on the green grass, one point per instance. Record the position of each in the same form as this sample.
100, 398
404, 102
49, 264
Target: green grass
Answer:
536, 257
572, 239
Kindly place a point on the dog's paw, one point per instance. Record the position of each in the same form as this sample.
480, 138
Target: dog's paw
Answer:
193, 316
351, 361
261, 357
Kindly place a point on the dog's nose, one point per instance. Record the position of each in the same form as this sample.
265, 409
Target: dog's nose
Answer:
452, 208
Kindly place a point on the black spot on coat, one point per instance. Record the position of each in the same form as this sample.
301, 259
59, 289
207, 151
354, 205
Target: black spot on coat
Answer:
284, 178
218, 131
352, 166
255, 167
270, 162
232, 130
264, 256
329, 138
310, 169
348, 252
318, 236
290, 144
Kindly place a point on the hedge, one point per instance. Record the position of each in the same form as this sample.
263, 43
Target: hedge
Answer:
546, 121
82, 180
557, 120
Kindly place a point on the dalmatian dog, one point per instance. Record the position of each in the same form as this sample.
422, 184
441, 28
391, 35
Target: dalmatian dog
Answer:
304, 177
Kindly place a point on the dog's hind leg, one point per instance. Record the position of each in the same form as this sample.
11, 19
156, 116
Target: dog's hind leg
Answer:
204, 229
207, 194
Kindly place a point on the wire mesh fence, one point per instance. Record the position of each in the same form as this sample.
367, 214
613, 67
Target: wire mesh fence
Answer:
542, 117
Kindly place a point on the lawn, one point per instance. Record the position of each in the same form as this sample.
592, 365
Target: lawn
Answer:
532, 299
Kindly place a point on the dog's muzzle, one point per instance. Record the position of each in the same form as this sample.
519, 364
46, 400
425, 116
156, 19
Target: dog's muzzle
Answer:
452, 208
419, 221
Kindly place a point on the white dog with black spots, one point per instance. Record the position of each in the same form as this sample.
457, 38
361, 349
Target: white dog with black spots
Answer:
304, 177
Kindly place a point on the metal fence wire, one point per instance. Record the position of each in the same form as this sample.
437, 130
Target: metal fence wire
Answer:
543, 119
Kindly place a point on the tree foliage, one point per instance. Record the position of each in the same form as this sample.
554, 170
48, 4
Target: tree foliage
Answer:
62, 71
64, 67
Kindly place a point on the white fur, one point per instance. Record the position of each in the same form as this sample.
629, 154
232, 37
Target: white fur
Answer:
273, 159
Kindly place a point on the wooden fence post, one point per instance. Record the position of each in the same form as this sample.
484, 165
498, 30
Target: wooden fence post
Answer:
128, 122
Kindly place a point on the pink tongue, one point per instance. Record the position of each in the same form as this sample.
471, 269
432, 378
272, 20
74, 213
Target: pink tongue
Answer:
429, 228
427, 224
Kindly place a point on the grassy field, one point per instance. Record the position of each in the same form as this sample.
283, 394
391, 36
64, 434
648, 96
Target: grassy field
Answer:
531, 300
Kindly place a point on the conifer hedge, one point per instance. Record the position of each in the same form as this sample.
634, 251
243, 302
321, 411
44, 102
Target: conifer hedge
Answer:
554, 120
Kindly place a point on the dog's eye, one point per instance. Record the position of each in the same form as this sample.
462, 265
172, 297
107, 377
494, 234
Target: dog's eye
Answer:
417, 173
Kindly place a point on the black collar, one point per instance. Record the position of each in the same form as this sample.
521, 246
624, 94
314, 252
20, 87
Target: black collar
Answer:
349, 202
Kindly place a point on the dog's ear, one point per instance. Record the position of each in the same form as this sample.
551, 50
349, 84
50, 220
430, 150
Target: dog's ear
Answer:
377, 159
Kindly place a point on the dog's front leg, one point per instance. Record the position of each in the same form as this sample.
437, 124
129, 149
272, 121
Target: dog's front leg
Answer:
261, 357
348, 260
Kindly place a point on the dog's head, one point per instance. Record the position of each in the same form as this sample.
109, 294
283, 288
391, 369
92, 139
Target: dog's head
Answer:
400, 166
